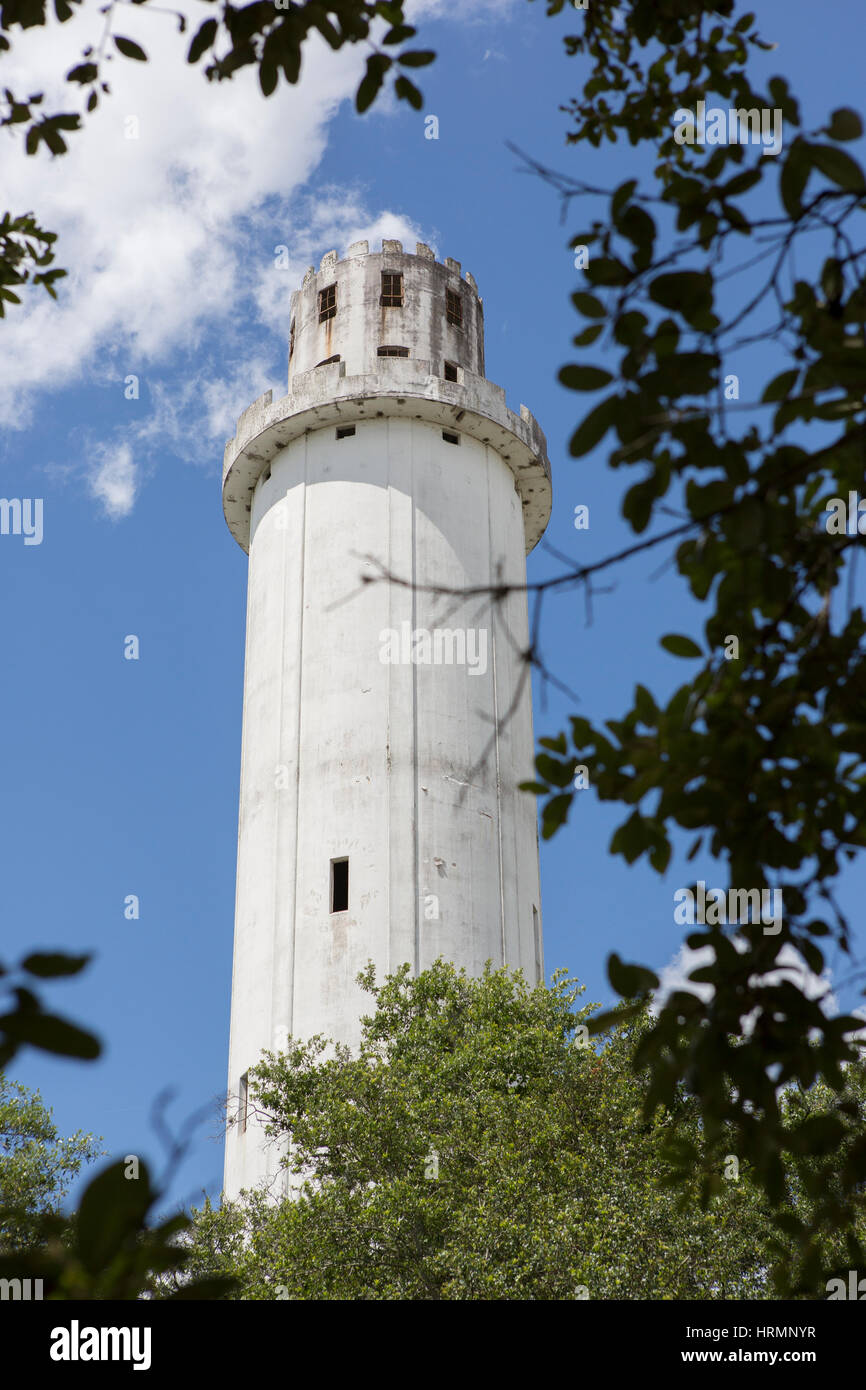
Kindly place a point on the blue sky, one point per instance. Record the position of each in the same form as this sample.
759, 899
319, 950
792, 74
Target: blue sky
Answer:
121, 777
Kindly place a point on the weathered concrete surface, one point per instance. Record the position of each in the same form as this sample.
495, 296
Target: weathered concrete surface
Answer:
362, 324
409, 769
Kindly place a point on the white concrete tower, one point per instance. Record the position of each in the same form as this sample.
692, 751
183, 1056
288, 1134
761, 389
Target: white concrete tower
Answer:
384, 728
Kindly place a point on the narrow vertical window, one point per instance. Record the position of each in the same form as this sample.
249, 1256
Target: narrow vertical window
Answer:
243, 1099
292, 340
327, 302
536, 931
392, 290
339, 885
454, 308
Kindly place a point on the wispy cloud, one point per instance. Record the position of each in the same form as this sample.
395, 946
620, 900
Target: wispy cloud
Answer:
113, 480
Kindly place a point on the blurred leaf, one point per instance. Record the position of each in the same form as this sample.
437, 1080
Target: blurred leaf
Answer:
52, 964
679, 645
129, 49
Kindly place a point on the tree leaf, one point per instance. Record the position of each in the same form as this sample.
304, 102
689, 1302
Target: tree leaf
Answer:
417, 58
594, 426
794, 176
84, 72
554, 814
407, 91
637, 504
556, 745
845, 124
629, 980
589, 335
687, 291
781, 386
589, 305
268, 76
678, 645
377, 65
129, 49
578, 378
111, 1214
202, 40
838, 166
51, 964
50, 1034
399, 33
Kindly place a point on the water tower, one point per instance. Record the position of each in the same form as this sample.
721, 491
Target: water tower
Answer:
385, 729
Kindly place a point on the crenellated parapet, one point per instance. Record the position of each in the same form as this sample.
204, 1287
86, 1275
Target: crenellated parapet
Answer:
400, 389
369, 302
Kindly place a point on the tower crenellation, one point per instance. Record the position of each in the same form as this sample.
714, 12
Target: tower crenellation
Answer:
412, 305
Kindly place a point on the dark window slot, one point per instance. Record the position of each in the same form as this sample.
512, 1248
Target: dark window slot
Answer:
327, 303
392, 290
339, 885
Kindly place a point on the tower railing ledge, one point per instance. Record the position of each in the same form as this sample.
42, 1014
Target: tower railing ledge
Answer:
402, 388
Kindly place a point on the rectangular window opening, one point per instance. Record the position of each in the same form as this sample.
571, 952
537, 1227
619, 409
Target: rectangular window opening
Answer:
389, 351
327, 302
392, 290
339, 885
536, 931
243, 1101
454, 308
450, 437
292, 340
345, 431
450, 371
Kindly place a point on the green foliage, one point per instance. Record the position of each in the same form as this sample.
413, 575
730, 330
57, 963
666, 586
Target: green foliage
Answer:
761, 757
36, 1164
24, 246
548, 1177
110, 1249
27, 1024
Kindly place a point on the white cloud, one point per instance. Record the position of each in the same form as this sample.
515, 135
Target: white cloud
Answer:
169, 238
468, 10
156, 231
113, 480
675, 976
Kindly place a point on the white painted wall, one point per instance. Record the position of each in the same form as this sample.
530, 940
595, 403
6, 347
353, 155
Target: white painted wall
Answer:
346, 756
